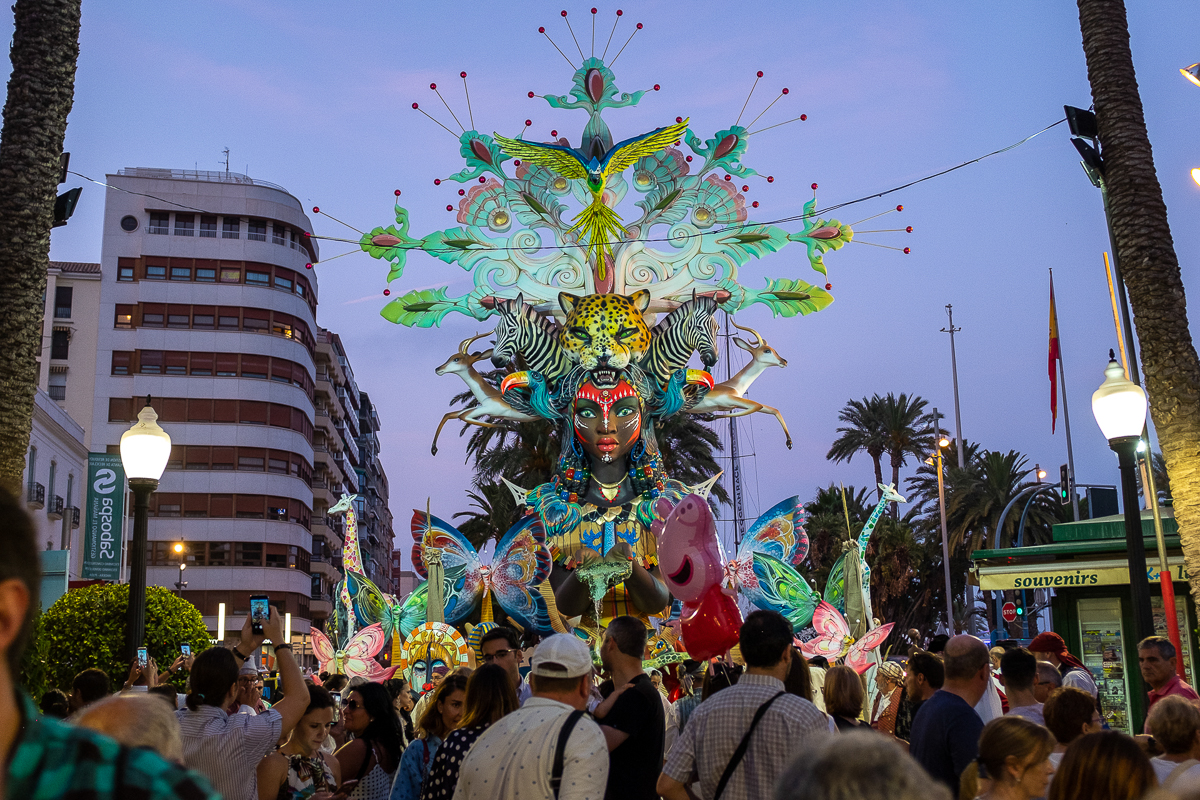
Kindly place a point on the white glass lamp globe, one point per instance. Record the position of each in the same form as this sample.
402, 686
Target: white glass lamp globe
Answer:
145, 448
1119, 405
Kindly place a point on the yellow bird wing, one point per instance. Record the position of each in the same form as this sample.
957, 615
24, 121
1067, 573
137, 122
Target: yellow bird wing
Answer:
625, 154
561, 159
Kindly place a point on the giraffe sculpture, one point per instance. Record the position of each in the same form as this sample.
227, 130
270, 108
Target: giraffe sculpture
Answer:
351, 558
889, 495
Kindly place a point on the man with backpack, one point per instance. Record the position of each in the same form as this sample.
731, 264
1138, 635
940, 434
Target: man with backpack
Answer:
547, 749
739, 741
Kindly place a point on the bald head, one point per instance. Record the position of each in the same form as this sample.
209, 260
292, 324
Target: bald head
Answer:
965, 655
136, 720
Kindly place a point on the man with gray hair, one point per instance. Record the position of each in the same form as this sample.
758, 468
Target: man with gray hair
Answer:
136, 720
1048, 679
858, 764
1158, 665
946, 729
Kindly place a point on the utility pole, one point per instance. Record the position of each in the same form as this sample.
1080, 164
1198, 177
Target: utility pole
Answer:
958, 440
735, 465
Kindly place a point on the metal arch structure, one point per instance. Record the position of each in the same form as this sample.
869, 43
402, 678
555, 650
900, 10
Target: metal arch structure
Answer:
1029, 494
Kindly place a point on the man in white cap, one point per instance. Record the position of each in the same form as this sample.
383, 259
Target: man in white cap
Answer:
547, 748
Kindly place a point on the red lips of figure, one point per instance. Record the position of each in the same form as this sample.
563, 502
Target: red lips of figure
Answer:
607, 444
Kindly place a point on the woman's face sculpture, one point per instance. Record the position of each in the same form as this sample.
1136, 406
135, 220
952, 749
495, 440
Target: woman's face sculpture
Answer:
608, 422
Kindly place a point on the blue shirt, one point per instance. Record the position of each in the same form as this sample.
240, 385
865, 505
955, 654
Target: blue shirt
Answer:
945, 737
414, 768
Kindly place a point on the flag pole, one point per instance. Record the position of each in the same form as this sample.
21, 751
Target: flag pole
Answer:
1062, 383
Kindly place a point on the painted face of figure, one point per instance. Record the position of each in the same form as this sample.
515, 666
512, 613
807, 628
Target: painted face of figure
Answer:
608, 421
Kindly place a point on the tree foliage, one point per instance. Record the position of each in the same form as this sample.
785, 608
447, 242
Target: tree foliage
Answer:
86, 628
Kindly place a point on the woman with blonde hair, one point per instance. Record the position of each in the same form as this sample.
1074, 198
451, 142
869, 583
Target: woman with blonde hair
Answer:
1014, 757
1103, 766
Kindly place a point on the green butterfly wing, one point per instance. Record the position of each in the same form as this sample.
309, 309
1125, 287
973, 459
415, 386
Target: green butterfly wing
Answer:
784, 590
835, 585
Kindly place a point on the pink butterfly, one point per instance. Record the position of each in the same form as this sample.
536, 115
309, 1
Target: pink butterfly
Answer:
358, 659
834, 641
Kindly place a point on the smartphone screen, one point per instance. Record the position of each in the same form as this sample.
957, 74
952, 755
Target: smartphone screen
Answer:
186, 649
143, 656
260, 611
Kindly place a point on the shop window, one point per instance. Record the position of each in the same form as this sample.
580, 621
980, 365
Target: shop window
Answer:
185, 224
208, 227
230, 227
1103, 654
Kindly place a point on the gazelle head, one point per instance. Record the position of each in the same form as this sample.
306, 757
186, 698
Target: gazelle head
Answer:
462, 361
760, 350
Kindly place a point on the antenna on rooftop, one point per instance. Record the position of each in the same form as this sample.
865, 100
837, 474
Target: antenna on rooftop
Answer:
226, 153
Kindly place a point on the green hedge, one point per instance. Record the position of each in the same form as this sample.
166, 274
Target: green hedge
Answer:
86, 628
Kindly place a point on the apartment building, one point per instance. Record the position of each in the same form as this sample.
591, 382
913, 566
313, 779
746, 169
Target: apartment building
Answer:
55, 476
208, 305
67, 368
377, 533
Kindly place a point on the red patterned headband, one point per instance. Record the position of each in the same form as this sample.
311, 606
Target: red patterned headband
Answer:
605, 398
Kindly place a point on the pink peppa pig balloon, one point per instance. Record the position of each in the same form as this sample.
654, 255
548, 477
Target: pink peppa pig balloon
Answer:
689, 553
710, 627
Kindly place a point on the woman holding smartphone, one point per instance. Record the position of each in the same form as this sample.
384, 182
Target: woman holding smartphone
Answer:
300, 768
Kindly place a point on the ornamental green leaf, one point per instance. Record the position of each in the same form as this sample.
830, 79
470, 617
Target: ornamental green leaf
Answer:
787, 297
423, 308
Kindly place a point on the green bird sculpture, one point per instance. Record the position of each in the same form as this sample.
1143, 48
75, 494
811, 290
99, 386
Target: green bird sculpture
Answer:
599, 226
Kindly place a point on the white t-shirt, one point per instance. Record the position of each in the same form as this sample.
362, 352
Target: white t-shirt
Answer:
1032, 713
1080, 679
1185, 784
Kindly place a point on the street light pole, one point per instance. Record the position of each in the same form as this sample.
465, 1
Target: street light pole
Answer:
145, 448
938, 445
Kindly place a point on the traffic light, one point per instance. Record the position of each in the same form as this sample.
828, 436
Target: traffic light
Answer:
1064, 485
1019, 602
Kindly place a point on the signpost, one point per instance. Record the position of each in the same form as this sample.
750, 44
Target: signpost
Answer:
102, 538
1009, 611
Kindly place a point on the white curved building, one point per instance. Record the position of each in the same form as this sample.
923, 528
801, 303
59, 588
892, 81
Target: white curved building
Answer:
208, 305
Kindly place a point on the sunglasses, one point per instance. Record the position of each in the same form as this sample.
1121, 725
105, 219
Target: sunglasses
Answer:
493, 656
351, 704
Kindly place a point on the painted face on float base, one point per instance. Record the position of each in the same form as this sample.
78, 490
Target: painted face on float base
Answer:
608, 422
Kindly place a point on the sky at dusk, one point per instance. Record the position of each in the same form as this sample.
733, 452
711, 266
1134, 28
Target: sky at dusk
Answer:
316, 96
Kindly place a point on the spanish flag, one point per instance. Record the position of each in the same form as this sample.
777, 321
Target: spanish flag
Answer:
1053, 357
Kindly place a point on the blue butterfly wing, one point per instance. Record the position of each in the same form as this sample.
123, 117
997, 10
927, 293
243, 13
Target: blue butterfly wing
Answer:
779, 533
521, 563
413, 610
462, 582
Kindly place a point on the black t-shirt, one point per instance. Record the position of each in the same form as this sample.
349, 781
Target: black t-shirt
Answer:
635, 765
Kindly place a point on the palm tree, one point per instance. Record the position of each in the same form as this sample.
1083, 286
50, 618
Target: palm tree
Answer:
909, 432
41, 90
864, 432
1138, 218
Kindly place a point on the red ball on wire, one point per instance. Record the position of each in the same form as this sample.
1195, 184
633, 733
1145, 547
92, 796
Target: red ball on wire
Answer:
726, 177
528, 122
541, 30
433, 86
462, 192
754, 204
679, 119
899, 208
639, 26
415, 105
531, 94
828, 286
745, 188
564, 13
482, 179
907, 251
307, 234
687, 158
770, 179
814, 186
462, 74
785, 91
619, 12
517, 162
397, 193
386, 292
316, 210
437, 181
760, 74
803, 117
908, 229
656, 87
554, 133
449, 208
593, 10
308, 266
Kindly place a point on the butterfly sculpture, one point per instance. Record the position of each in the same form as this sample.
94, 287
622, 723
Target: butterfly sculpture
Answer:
778, 533
598, 223
833, 639
358, 657
781, 588
371, 605
509, 577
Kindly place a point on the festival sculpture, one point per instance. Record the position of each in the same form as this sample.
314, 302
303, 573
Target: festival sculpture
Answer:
600, 316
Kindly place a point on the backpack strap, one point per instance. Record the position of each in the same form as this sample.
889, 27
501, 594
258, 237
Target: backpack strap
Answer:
740, 753
560, 750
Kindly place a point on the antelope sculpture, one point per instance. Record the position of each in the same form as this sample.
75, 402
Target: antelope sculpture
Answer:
730, 395
487, 397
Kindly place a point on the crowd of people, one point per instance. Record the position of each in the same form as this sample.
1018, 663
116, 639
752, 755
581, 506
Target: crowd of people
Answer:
949, 720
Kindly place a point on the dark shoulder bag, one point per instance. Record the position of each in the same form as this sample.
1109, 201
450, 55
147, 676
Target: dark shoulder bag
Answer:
740, 753
560, 751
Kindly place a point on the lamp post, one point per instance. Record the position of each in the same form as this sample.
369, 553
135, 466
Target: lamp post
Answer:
1119, 406
180, 584
145, 449
943, 442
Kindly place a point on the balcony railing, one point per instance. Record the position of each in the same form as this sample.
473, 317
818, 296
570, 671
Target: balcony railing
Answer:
62, 312
161, 230
37, 496
74, 516
57, 392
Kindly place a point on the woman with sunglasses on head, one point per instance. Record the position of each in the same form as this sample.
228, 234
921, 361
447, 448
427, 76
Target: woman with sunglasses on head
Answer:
300, 769
490, 695
372, 757
441, 716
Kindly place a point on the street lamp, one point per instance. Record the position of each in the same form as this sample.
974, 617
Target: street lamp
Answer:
943, 442
180, 584
1192, 73
145, 449
1119, 406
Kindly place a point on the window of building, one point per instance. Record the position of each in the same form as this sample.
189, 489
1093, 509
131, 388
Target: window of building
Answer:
230, 227
124, 316
177, 320
176, 363
301, 289
250, 463
280, 234
248, 506
202, 321
208, 227
258, 278
152, 319
252, 322
256, 230
150, 362
118, 409
121, 359
231, 276
56, 387
295, 240
160, 223
62, 301
277, 465
155, 273
185, 224
283, 283
202, 364
205, 275
228, 323
181, 273
227, 365
254, 366
50, 484
124, 273
219, 553
60, 344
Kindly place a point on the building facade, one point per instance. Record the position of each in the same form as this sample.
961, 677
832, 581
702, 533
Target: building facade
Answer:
67, 368
376, 530
55, 476
208, 305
